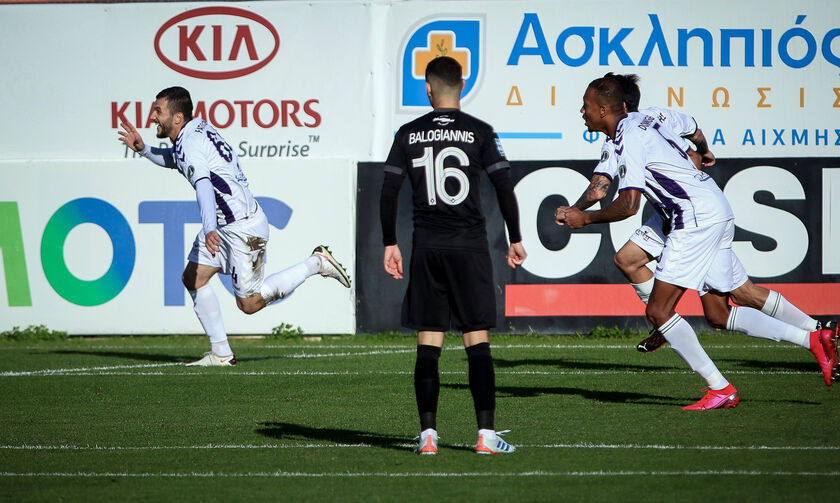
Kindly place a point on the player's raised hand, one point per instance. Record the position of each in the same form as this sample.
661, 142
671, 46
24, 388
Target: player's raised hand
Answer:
516, 255
393, 261
212, 241
131, 137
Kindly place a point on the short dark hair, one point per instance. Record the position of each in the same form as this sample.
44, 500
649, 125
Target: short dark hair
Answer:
446, 70
609, 92
629, 87
178, 100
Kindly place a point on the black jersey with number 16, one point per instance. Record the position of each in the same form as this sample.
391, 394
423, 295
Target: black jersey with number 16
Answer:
444, 153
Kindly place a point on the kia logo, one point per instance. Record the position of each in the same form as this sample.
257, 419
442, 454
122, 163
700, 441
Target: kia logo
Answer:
216, 43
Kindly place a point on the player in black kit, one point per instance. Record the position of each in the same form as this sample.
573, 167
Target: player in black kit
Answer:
451, 278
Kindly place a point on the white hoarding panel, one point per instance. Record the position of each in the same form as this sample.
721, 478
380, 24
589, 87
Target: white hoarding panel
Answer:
761, 78
286, 79
98, 247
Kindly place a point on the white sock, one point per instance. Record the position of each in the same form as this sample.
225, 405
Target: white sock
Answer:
210, 315
313, 264
488, 434
684, 341
778, 307
643, 289
281, 284
757, 324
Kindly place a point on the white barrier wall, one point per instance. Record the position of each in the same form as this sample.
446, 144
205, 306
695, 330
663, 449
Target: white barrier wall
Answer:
336, 78
760, 77
281, 79
99, 247
294, 86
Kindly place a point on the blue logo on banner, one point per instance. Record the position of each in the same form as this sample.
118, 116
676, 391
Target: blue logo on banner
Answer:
459, 39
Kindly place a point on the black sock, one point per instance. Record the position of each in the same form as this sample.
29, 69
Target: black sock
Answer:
427, 385
482, 384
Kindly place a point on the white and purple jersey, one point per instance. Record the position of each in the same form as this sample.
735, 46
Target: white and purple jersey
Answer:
681, 124
651, 159
199, 153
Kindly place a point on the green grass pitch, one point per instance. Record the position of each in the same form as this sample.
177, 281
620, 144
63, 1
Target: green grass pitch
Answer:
120, 419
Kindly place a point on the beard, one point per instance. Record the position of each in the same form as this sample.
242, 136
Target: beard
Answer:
162, 131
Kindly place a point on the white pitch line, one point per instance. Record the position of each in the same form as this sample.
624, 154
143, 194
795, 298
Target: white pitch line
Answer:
106, 371
281, 474
454, 346
584, 445
84, 369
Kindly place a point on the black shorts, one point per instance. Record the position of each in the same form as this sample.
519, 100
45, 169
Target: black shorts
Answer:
449, 287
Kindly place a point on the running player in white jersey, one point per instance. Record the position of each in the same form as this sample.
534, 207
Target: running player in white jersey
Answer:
698, 249
647, 242
234, 228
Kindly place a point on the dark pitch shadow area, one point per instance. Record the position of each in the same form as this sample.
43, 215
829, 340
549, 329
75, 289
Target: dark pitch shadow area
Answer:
291, 431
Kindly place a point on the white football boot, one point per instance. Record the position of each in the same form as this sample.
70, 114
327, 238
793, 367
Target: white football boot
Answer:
330, 268
212, 360
489, 442
428, 445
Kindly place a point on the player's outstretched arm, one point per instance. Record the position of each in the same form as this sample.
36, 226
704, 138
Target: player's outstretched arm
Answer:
131, 138
393, 261
516, 255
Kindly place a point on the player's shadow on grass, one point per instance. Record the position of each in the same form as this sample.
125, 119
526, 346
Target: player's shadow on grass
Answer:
770, 366
501, 363
130, 356
601, 396
290, 431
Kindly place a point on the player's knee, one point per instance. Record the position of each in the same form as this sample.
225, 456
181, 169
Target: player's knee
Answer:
249, 305
745, 298
188, 281
716, 321
655, 315
620, 261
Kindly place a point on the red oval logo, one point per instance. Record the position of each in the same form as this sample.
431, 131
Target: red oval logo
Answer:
217, 51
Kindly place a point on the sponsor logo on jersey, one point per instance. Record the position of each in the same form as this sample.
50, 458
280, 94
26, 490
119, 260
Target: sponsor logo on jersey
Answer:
216, 42
605, 155
443, 120
460, 39
622, 170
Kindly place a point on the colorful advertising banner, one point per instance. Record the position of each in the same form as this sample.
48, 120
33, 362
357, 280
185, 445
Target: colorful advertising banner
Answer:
761, 78
99, 247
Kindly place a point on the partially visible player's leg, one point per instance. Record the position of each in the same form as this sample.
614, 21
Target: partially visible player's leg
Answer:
427, 389
773, 304
482, 381
425, 308
632, 261
644, 245
280, 285
660, 312
685, 263
206, 306
822, 343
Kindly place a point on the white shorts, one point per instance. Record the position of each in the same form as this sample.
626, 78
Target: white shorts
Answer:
702, 259
241, 253
649, 237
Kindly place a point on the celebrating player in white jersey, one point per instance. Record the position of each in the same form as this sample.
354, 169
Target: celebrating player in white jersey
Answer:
648, 241
234, 228
698, 248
